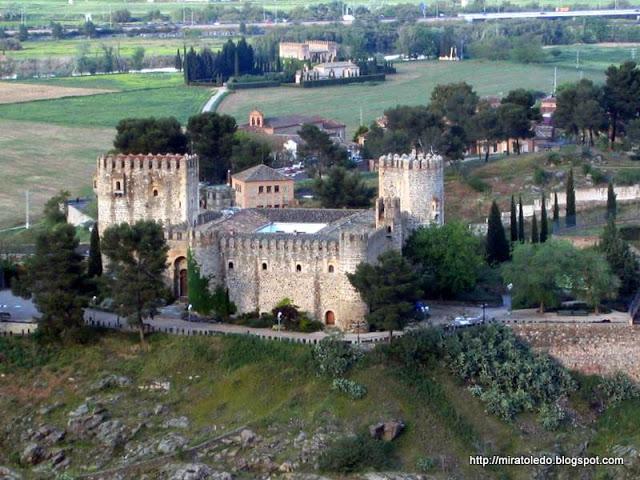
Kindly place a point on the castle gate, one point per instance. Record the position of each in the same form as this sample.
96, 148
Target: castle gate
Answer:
329, 318
180, 289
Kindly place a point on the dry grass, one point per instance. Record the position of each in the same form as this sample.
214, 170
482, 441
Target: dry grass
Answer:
11, 92
45, 158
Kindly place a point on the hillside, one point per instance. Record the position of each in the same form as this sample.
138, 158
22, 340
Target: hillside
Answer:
109, 404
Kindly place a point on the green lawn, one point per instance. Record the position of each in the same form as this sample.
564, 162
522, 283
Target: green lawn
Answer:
592, 57
412, 85
105, 110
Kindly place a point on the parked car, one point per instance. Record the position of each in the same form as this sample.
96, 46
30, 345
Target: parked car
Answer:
465, 321
422, 309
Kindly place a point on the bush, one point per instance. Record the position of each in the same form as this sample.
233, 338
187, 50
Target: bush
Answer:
353, 389
357, 453
618, 388
293, 319
539, 176
628, 176
551, 416
24, 352
333, 357
425, 464
416, 347
477, 184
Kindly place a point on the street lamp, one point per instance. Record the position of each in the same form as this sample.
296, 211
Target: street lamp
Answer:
279, 317
189, 310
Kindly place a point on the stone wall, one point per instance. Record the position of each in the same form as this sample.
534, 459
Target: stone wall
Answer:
594, 348
147, 187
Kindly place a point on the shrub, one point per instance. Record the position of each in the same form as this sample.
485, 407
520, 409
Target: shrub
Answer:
477, 184
333, 357
425, 464
353, 389
356, 453
628, 176
618, 388
554, 158
551, 416
24, 352
416, 347
539, 176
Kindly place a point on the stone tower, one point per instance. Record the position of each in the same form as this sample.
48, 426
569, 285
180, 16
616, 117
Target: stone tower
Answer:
163, 188
410, 193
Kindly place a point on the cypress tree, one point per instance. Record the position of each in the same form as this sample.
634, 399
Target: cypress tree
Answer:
535, 238
497, 249
514, 221
178, 61
94, 264
612, 207
556, 210
570, 219
544, 223
520, 222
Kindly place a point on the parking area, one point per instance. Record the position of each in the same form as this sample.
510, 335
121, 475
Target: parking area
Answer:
20, 309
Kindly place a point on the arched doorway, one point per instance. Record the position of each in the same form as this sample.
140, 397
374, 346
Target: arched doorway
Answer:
180, 284
329, 318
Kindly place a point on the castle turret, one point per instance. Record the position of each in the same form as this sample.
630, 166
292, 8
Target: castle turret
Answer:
410, 187
163, 188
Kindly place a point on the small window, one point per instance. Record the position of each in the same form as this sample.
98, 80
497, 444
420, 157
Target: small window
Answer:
150, 164
230, 265
268, 206
260, 189
276, 188
389, 229
268, 188
276, 206
155, 192
264, 266
331, 269
95, 184
118, 186
259, 206
298, 268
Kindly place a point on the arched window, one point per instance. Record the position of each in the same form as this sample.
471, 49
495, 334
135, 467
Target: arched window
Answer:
118, 186
389, 229
230, 265
155, 192
298, 268
331, 269
264, 266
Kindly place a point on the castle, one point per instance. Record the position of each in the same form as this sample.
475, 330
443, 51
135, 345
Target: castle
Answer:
313, 50
265, 254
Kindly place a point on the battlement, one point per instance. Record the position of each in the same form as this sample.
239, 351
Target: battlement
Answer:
263, 243
122, 163
412, 161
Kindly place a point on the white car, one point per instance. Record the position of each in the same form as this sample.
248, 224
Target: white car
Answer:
464, 321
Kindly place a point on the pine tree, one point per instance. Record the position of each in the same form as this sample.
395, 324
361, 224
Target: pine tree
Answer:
544, 222
535, 238
622, 260
612, 207
497, 248
570, 218
520, 222
556, 211
178, 61
514, 221
94, 264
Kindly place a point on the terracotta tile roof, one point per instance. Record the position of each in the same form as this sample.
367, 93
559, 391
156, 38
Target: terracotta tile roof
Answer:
259, 173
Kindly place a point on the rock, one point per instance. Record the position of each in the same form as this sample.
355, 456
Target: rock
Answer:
299, 439
247, 437
8, 474
49, 435
81, 410
60, 460
160, 409
387, 431
110, 381
111, 433
171, 443
286, 467
33, 454
195, 471
47, 409
180, 422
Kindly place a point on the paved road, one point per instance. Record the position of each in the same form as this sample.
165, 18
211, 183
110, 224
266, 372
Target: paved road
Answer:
19, 308
212, 101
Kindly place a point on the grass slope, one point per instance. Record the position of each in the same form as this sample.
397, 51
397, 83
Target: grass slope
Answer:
411, 86
116, 81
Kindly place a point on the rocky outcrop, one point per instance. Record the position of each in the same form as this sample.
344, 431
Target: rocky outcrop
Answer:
33, 454
110, 381
387, 431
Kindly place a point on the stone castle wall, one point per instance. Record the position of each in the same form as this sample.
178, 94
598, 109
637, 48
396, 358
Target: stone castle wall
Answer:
418, 181
261, 270
163, 188
601, 349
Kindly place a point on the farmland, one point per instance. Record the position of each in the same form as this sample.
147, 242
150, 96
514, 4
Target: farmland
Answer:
592, 57
20, 92
412, 85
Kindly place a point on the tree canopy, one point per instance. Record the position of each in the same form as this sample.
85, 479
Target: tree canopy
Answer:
150, 135
343, 189
212, 138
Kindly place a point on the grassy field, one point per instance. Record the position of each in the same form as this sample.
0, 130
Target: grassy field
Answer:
106, 110
230, 381
412, 85
116, 81
43, 159
124, 45
592, 57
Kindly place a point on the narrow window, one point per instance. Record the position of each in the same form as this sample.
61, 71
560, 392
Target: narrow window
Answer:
264, 266
276, 188
268, 188
260, 189
118, 187
330, 268
298, 268
155, 192
230, 265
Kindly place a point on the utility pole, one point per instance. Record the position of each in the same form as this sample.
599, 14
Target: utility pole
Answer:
27, 211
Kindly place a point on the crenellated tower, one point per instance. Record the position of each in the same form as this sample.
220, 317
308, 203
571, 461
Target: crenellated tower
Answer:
163, 188
410, 193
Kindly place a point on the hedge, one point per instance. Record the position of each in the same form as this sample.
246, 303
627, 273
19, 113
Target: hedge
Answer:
378, 77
